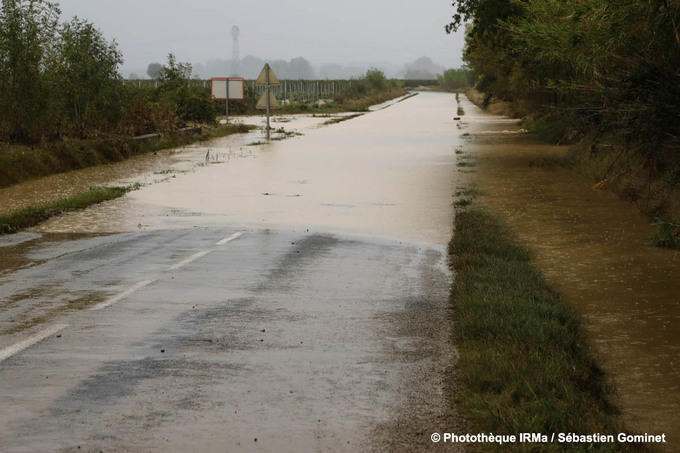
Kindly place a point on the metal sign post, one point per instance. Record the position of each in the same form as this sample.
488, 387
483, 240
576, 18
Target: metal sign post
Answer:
226, 89
267, 79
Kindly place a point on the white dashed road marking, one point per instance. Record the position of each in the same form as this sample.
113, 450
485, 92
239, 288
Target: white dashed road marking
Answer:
192, 258
230, 238
27, 343
123, 295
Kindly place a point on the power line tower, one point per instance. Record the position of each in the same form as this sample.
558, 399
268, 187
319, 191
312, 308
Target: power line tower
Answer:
235, 58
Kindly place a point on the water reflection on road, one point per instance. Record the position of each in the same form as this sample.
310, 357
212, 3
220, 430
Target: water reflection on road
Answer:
385, 174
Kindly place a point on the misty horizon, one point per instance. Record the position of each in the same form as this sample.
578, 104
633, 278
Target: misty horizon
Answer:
301, 69
358, 34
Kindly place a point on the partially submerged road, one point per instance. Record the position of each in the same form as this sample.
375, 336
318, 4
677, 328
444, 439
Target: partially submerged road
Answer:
291, 298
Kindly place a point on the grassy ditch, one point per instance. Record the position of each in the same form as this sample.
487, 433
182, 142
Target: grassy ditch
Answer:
20, 163
33, 215
524, 364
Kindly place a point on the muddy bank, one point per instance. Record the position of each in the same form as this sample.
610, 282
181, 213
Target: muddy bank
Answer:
592, 248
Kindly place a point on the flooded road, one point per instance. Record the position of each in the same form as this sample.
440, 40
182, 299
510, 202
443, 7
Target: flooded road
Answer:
373, 175
592, 247
291, 296
296, 292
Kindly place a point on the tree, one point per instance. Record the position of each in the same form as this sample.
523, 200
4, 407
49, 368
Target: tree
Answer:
301, 69
86, 75
174, 89
174, 75
153, 70
27, 31
456, 79
422, 69
488, 43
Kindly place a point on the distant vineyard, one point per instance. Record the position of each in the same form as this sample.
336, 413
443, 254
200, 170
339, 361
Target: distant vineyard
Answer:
291, 90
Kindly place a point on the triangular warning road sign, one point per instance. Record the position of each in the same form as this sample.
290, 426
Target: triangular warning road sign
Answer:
262, 102
262, 79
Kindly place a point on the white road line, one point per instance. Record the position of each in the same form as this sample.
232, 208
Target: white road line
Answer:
230, 238
193, 257
122, 295
27, 343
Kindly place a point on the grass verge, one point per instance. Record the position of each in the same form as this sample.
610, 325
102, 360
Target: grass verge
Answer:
524, 364
33, 215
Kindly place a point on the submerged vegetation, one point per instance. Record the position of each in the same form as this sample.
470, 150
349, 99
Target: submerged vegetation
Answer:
22, 162
601, 73
31, 216
524, 364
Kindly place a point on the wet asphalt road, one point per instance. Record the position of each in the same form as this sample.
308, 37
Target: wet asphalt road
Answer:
222, 340
235, 328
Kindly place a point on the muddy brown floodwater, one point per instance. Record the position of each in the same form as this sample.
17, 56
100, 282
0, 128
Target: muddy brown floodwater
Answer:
592, 247
372, 176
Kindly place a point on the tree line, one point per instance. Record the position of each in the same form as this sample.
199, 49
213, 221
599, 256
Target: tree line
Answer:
60, 79
604, 67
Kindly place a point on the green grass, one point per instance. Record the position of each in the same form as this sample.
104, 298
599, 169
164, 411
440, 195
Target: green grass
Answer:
524, 364
461, 112
33, 215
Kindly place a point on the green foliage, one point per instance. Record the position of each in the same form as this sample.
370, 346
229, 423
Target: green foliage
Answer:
376, 80
62, 80
592, 68
369, 85
27, 29
84, 78
191, 104
153, 70
54, 79
456, 79
594, 61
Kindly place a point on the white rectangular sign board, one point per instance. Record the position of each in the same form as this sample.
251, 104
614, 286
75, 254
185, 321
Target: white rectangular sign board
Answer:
219, 88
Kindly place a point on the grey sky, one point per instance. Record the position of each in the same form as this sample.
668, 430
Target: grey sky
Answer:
367, 32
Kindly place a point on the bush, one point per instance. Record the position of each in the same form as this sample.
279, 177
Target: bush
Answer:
456, 79
199, 109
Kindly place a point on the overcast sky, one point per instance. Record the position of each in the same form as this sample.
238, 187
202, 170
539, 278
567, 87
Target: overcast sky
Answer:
366, 32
